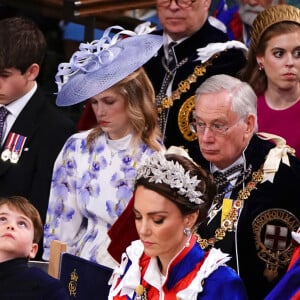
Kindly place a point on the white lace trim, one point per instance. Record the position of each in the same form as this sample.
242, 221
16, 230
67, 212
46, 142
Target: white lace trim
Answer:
132, 278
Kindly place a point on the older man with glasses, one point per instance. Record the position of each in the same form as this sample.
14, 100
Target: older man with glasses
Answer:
193, 50
257, 205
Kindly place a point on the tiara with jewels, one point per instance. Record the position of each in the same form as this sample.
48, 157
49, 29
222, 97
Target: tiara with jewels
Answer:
160, 170
268, 17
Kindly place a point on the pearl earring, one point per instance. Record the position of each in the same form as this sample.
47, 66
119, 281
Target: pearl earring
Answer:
187, 231
260, 67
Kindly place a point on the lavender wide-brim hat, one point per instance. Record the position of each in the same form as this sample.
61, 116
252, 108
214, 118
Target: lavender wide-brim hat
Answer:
102, 63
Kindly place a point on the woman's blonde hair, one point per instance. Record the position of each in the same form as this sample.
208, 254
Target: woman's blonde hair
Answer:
138, 91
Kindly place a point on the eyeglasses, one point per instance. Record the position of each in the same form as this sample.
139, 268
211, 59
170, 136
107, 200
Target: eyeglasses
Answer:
215, 128
180, 3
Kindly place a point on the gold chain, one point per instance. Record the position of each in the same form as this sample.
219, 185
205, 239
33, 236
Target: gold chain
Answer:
185, 85
232, 216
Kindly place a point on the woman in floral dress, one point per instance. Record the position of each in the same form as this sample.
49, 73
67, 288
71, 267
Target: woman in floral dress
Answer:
93, 177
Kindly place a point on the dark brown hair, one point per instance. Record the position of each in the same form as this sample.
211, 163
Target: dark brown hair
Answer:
251, 73
22, 44
206, 186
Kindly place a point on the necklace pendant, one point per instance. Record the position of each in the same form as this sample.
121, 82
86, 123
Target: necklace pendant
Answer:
141, 292
112, 156
271, 272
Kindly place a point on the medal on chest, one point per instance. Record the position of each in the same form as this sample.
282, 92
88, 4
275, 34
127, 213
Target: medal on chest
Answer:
13, 147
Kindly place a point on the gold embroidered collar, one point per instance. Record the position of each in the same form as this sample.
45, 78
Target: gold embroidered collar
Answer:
232, 216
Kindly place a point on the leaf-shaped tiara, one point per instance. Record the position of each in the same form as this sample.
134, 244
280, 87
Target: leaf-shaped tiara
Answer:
160, 170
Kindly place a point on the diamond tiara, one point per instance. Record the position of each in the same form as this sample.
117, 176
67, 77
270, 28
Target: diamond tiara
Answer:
160, 170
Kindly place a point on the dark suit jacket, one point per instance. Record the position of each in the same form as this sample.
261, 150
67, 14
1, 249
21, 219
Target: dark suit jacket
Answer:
228, 62
46, 129
18, 281
282, 194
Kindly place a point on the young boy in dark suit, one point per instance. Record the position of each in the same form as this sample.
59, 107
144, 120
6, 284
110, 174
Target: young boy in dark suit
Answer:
20, 231
32, 130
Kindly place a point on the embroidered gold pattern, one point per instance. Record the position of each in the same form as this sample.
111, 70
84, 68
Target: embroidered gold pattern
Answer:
274, 257
185, 118
185, 85
230, 221
73, 283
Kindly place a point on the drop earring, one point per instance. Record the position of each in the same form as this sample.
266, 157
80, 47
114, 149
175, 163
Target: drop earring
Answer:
187, 231
260, 66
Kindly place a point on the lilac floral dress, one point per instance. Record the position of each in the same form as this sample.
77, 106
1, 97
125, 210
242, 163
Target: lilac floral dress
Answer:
89, 190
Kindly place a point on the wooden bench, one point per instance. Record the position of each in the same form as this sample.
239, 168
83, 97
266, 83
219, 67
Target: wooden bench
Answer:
91, 13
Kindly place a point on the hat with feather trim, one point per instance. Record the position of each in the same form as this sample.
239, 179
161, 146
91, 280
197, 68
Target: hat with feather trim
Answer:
102, 63
270, 16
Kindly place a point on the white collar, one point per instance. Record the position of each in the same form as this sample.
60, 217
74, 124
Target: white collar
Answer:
132, 277
119, 144
214, 168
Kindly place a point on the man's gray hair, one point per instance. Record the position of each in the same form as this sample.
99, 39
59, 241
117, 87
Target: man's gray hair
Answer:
244, 99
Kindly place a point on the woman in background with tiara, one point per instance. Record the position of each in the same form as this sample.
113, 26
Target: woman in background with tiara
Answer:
93, 177
172, 195
273, 71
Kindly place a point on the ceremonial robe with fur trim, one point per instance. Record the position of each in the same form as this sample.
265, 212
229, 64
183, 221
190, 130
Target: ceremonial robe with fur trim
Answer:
283, 193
